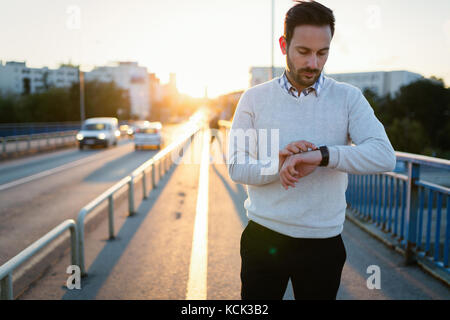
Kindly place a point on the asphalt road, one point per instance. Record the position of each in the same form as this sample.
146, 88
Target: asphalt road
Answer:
39, 192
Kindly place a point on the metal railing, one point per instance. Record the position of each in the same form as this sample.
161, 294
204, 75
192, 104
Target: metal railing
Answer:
160, 163
395, 203
6, 270
224, 128
39, 141
27, 128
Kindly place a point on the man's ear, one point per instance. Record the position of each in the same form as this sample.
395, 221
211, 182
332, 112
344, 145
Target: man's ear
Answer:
283, 44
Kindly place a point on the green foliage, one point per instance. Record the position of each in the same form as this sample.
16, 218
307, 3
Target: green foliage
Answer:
417, 119
105, 99
63, 104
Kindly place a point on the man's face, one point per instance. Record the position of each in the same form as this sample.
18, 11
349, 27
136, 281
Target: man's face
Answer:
306, 54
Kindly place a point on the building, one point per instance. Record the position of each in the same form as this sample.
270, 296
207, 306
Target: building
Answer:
156, 89
381, 83
129, 76
17, 78
262, 74
227, 104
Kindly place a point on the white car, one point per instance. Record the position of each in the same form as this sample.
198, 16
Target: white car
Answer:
98, 131
148, 134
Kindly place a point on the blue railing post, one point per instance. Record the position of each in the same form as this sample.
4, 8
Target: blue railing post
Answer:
438, 228
412, 212
421, 205
447, 235
380, 199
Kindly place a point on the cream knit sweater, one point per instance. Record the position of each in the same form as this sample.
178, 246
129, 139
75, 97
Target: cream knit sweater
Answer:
268, 118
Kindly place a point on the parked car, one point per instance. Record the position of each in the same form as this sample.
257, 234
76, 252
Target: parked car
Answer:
99, 131
148, 134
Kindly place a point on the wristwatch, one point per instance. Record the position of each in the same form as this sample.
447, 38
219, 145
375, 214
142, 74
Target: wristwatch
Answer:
325, 156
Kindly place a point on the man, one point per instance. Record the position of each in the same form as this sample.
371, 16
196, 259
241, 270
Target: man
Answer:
297, 212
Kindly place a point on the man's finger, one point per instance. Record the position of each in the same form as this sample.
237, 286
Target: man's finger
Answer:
311, 145
293, 148
285, 152
292, 171
284, 184
304, 145
300, 145
288, 177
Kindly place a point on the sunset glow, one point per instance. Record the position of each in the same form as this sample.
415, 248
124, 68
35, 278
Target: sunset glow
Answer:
212, 44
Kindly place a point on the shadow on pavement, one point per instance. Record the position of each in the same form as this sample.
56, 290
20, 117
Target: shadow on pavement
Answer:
111, 253
238, 197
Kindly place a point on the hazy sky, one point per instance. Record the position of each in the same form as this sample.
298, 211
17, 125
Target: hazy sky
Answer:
214, 43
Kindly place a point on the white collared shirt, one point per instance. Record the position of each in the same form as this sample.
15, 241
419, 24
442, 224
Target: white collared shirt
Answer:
286, 85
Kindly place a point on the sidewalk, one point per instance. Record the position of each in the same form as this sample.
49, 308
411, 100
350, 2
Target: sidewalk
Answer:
150, 257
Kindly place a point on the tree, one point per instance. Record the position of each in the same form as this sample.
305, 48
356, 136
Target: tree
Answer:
417, 119
63, 104
104, 99
407, 135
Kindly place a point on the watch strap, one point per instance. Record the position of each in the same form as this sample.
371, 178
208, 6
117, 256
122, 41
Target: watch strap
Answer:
325, 156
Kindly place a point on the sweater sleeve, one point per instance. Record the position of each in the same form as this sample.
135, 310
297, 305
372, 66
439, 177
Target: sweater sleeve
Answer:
373, 152
243, 164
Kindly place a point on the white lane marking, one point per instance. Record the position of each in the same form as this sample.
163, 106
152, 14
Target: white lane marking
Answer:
197, 288
52, 171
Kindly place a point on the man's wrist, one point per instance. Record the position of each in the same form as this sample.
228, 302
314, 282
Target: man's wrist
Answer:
312, 157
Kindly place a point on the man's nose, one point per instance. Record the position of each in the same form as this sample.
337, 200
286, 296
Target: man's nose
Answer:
313, 62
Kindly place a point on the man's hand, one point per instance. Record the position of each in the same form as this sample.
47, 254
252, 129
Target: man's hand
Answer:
293, 148
298, 166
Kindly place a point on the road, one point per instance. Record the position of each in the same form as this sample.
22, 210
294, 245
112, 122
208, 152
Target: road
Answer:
39, 192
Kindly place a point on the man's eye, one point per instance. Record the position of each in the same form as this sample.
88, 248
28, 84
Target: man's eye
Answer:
302, 53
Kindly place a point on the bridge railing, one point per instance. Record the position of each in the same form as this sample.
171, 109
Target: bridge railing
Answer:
35, 142
15, 129
413, 211
6, 270
160, 164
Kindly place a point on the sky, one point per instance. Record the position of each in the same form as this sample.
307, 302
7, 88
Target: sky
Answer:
213, 44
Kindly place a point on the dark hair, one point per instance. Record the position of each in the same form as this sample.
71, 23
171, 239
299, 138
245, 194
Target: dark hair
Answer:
307, 13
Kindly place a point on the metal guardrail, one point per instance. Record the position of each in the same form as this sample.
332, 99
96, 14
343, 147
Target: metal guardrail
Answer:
225, 127
396, 202
6, 270
25, 143
162, 161
27, 128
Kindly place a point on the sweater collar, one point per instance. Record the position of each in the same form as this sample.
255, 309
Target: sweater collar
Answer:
289, 88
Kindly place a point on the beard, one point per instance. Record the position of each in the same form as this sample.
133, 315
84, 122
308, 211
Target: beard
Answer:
299, 78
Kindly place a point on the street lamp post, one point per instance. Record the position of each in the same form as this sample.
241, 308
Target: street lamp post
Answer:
271, 43
81, 79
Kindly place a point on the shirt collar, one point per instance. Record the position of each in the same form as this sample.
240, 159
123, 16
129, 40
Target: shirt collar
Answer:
286, 85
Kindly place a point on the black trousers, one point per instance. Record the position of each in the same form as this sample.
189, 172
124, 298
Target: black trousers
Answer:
269, 259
